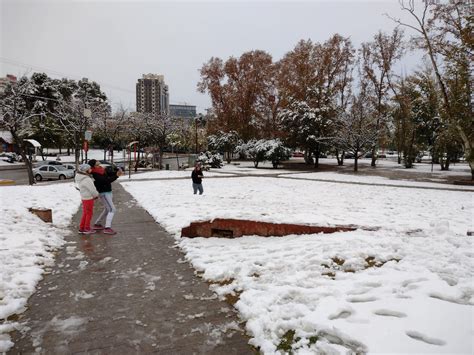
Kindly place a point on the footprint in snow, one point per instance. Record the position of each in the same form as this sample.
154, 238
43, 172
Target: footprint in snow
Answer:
389, 313
424, 338
341, 314
361, 299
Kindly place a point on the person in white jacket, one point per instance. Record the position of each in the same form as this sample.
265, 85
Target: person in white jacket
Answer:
89, 193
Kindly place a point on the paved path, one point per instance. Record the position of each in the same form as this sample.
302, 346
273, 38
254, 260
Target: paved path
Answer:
131, 293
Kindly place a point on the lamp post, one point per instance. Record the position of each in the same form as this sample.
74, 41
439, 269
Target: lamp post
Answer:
87, 134
130, 145
198, 118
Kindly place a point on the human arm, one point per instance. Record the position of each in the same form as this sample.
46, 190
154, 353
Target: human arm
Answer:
90, 187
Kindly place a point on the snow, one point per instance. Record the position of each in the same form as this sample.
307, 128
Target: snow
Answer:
167, 174
407, 287
365, 179
27, 243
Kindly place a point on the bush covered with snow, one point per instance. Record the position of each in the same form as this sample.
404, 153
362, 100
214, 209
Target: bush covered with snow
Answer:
224, 142
210, 159
264, 150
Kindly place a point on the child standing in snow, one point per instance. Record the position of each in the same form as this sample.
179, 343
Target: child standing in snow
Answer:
89, 193
197, 176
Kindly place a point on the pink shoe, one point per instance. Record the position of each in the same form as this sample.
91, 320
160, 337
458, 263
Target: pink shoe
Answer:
109, 231
98, 227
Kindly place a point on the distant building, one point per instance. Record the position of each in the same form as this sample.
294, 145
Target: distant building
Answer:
183, 111
152, 94
4, 82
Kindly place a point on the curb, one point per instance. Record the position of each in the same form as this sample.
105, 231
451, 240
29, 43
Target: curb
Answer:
12, 167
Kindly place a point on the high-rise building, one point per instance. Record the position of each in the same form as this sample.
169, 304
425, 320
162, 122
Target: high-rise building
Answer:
152, 94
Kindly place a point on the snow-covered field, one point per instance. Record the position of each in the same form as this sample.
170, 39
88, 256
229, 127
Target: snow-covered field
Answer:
27, 243
168, 174
367, 179
407, 287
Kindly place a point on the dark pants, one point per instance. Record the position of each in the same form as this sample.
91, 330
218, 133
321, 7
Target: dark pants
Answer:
197, 187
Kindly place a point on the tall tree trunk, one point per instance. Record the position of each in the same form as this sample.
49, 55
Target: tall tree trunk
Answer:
26, 160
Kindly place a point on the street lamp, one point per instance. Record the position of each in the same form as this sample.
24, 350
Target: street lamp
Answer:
196, 119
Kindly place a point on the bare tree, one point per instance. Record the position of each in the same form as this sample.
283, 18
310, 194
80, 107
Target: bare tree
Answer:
377, 59
444, 32
109, 128
357, 128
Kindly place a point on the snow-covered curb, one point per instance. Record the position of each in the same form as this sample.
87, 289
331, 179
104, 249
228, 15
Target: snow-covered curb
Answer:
27, 243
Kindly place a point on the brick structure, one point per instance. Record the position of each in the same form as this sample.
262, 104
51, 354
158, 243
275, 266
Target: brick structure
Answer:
234, 228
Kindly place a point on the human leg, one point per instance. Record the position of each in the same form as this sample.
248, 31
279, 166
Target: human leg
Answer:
88, 210
83, 217
200, 188
104, 212
108, 201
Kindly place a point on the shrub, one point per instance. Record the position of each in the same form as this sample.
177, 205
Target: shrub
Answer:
210, 159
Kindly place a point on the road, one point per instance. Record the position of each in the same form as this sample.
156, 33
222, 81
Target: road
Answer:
20, 175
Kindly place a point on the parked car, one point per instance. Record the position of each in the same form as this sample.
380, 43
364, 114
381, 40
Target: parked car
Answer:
71, 167
9, 157
298, 154
47, 172
349, 155
48, 162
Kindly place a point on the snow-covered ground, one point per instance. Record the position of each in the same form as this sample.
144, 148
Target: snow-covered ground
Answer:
406, 288
367, 179
27, 243
167, 174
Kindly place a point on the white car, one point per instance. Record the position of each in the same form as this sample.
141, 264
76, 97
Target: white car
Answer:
71, 167
53, 172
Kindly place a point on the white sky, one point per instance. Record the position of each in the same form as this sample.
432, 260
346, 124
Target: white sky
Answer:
115, 42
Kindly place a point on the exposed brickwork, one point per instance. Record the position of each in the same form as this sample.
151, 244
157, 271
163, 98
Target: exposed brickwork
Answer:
233, 228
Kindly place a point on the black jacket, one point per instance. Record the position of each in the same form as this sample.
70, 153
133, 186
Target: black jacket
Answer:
194, 176
103, 182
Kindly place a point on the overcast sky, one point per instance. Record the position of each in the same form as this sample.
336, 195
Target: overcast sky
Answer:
115, 42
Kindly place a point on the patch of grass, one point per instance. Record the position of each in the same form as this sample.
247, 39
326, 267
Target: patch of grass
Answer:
287, 341
233, 298
13, 317
330, 274
224, 282
372, 262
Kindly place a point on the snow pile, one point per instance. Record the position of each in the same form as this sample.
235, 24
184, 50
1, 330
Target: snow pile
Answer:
27, 243
404, 288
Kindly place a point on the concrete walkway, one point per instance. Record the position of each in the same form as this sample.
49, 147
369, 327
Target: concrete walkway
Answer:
131, 293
